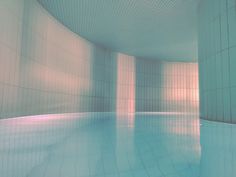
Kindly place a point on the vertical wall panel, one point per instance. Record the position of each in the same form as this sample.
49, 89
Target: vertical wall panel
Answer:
125, 99
217, 46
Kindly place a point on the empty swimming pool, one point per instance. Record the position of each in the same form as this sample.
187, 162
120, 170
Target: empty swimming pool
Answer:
105, 144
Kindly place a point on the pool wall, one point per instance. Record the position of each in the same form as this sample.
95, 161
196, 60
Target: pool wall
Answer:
217, 60
47, 69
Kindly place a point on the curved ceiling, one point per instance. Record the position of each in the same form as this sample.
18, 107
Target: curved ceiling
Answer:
156, 29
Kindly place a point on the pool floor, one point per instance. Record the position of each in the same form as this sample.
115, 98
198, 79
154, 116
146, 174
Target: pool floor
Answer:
110, 145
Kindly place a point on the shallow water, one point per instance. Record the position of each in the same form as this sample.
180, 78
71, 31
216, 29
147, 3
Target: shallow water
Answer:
109, 145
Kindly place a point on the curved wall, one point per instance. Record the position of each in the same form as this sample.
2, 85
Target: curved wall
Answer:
45, 68
166, 86
217, 60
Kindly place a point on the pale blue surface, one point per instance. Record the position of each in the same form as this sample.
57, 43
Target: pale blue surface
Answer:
157, 29
217, 60
99, 144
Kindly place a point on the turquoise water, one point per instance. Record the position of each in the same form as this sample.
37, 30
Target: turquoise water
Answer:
109, 145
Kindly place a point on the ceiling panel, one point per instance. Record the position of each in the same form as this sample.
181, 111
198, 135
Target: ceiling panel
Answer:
155, 29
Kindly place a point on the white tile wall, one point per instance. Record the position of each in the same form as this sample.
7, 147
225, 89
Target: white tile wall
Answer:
45, 68
166, 86
217, 56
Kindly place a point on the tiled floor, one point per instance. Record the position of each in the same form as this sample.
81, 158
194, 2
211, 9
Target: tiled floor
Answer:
106, 145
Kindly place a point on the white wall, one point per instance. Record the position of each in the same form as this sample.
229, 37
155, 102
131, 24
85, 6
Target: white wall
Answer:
217, 60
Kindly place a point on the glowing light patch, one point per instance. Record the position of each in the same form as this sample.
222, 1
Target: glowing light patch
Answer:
125, 98
180, 89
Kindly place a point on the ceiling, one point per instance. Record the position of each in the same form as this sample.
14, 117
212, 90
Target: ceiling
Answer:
155, 29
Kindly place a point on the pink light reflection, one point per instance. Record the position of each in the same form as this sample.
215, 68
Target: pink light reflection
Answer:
181, 86
59, 80
188, 128
125, 98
